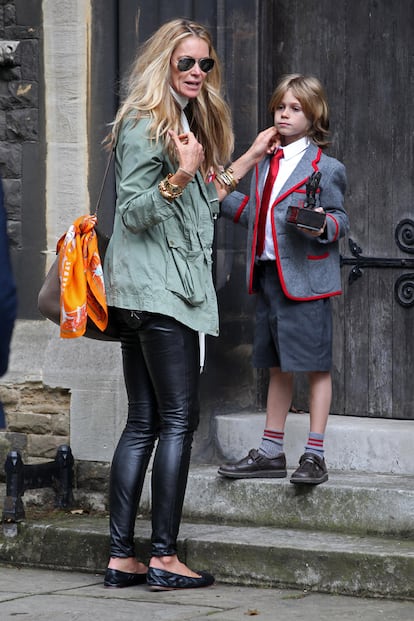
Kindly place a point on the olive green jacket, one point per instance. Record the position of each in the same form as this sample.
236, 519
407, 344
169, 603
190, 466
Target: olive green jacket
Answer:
159, 257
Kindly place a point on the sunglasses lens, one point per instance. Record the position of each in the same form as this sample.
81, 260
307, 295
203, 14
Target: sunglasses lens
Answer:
187, 63
206, 64
184, 64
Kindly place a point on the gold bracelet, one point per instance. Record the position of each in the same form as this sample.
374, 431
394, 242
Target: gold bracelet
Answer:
188, 173
168, 190
231, 171
225, 177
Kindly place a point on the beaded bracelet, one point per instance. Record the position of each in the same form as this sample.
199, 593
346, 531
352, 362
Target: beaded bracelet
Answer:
188, 173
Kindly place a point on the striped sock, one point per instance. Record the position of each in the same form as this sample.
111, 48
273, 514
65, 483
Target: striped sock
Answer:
272, 443
315, 444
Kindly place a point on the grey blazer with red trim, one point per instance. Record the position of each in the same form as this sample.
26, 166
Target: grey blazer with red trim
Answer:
308, 267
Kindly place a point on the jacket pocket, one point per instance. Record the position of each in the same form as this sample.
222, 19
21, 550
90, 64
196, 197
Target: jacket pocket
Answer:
322, 275
187, 273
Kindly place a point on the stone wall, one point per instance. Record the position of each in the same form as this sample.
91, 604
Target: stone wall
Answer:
39, 40
37, 421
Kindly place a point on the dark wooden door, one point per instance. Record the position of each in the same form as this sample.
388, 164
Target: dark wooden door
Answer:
363, 52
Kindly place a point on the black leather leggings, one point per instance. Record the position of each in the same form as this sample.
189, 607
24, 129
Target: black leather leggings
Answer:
161, 371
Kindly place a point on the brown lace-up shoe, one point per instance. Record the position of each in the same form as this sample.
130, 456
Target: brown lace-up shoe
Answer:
312, 470
255, 466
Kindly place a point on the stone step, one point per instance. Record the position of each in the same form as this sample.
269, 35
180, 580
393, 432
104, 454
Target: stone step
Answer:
244, 555
349, 502
364, 503
354, 534
351, 443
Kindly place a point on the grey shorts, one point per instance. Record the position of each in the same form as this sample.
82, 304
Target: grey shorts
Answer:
295, 336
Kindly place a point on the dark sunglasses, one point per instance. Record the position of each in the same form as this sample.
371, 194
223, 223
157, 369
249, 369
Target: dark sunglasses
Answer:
186, 63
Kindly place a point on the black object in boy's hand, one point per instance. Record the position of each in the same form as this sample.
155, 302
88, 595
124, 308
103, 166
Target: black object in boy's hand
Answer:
306, 216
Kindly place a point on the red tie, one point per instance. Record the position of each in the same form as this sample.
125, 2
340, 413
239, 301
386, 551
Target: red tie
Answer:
264, 206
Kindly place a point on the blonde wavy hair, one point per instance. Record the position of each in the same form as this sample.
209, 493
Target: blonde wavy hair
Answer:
309, 92
148, 94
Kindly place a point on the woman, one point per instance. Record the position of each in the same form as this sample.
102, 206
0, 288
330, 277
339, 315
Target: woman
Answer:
158, 279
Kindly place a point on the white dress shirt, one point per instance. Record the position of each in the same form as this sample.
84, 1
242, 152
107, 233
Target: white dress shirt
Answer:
183, 101
292, 154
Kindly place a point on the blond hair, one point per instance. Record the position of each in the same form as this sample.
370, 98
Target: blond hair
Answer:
148, 94
310, 93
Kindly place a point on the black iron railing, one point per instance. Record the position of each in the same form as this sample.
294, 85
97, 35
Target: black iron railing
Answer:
57, 474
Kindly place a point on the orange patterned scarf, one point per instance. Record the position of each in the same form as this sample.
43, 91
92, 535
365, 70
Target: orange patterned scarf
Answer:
82, 289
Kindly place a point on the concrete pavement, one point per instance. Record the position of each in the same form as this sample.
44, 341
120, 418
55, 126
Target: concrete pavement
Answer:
45, 595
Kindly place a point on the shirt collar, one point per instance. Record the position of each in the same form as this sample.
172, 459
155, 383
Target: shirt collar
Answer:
180, 99
295, 148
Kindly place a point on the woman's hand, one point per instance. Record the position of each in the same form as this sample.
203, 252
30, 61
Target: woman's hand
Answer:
266, 142
190, 155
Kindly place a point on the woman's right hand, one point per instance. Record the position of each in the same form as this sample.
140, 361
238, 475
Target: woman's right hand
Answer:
190, 154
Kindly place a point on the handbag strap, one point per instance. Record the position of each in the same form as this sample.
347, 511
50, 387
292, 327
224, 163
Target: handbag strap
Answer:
108, 164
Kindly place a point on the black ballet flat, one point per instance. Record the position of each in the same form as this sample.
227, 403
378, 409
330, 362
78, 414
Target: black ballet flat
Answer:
160, 580
121, 579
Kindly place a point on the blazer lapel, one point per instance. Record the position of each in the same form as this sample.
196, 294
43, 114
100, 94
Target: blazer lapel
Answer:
302, 171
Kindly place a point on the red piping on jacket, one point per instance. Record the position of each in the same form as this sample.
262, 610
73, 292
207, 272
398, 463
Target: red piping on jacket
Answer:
317, 160
328, 215
240, 209
254, 236
315, 297
318, 257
